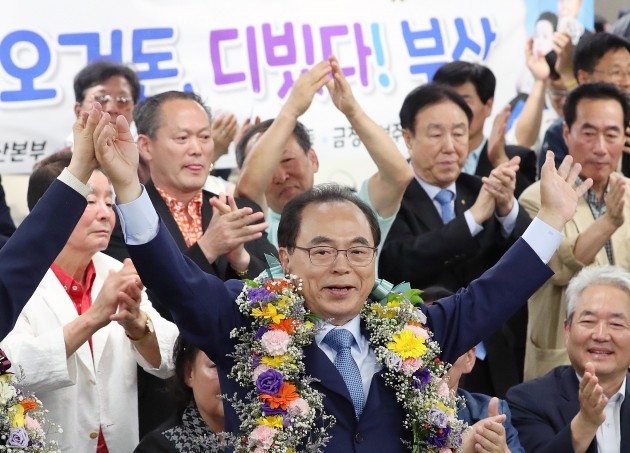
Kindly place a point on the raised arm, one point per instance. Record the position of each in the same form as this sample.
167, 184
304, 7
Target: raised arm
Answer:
529, 121
21, 267
387, 186
266, 155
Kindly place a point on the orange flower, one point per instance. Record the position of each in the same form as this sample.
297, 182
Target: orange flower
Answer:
28, 405
276, 285
281, 399
288, 325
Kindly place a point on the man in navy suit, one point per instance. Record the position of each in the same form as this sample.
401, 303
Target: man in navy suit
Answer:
27, 255
584, 407
203, 306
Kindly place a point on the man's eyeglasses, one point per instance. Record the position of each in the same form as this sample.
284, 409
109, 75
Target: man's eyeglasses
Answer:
323, 255
122, 101
616, 74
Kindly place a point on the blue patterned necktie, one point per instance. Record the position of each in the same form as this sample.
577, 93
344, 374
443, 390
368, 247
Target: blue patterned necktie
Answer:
341, 340
445, 197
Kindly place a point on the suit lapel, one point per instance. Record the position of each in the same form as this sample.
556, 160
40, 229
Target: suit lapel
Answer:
59, 303
221, 263
422, 206
100, 337
317, 364
464, 198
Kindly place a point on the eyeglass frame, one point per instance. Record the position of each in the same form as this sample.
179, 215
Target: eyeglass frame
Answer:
622, 73
308, 251
124, 101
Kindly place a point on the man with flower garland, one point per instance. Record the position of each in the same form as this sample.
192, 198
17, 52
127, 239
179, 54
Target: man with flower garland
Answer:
315, 225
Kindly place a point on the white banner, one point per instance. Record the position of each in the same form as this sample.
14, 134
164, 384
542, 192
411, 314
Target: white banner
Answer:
242, 56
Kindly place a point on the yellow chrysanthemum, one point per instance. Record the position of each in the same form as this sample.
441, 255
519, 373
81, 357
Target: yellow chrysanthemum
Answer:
273, 421
273, 361
16, 416
447, 410
269, 312
406, 345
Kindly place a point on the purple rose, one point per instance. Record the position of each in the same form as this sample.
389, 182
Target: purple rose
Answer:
268, 411
438, 418
440, 437
18, 438
421, 378
261, 331
260, 296
269, 382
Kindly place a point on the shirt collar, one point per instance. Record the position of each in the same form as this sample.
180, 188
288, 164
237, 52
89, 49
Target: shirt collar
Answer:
177, 206
353, 326
432, 190
68, 282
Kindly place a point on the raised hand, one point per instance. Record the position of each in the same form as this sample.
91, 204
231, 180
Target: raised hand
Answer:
488, 434
305, 87
496, 141
340, 91
223, 131
615, 200
128, 313
484, 206
536, 62
117, 153
591, 397
558, 193
563, 47
118, 287
84, 160
501, 184
229, 229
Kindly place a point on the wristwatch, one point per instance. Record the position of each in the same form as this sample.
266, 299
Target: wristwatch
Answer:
148, 330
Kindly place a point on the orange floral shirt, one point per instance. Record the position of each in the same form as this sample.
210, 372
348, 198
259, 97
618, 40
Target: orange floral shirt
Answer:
187, 216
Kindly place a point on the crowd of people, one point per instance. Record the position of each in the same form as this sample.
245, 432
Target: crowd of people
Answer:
118, 290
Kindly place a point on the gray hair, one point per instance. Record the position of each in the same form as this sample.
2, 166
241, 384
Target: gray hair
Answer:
595, 275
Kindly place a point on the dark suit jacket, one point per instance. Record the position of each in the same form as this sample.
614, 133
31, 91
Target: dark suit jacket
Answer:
422, 250
33, 247
155, 402
542, 410
526, 174
203, 308
7, 227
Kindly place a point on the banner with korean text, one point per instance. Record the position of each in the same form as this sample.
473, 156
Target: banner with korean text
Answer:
243, 56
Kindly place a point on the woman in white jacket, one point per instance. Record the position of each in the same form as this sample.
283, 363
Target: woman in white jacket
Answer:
86, 327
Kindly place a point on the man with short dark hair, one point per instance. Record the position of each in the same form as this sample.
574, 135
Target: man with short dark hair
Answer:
595, 115
476, 84
600, 57
336, 290
583, 407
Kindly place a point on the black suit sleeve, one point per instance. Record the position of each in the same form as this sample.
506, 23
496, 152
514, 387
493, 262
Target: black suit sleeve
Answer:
7, 227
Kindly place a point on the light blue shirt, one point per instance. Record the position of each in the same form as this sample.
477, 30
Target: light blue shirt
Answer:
470, 167
140, 224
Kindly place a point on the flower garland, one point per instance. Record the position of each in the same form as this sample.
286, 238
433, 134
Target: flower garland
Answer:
283, 413
22, 417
